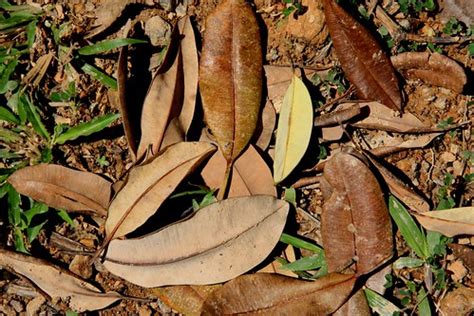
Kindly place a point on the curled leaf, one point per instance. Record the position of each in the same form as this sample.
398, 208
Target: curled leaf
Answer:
150, 184
355, 223
59, 284
364, 62
231, 75
294, 129
432, 68
218, 243
271, 294
451, 222
63, 188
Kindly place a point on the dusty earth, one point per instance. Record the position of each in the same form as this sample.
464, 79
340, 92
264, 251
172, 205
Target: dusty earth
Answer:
300, 41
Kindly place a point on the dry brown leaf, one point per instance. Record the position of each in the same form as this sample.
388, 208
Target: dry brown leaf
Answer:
432, 68
465, 253
185, 299
63, 188
309, 26
393, 145
271, 294
278, 79
463, 10
148, 185
451, 222
356, 305
265, 127
34, 76
60, 285
231, 75
250, 174
218, 243
458, 302
355, 223
400, 189
337, 117
364, 62
162, 103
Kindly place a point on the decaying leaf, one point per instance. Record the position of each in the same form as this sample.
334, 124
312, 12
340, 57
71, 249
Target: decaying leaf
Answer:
231, 75
265, 127
271, 294
60, 285
185, 299
337, 117
451, 222
63, 188
150, 184
465, 253
364, 62
356, 305
250, 174
355, 223
432, 68
220, 242
294, 129
458, 302
278, 79
393, 145
34, 76
400, 189
162, 103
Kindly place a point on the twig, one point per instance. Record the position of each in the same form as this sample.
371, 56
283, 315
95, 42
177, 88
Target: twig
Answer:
344, 96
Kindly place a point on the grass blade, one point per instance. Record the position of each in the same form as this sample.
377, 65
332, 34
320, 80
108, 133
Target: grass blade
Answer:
87, 128
424, 308
103, 78
412, 234
8, 116
108, 45
34, 118
380, 305
299, 243
306, 263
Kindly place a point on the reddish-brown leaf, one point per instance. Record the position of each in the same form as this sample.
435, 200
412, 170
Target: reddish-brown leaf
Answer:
231, 75
355, 223
364, 62
271, 294
63, 188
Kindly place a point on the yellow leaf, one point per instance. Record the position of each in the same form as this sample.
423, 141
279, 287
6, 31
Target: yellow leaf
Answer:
294, 129
452, 222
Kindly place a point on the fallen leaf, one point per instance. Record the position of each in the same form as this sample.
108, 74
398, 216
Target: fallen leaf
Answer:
451, 222
337, 117
356, 305
394, 145
250, 174
458, 302
398, 188
275, 266
59, 284
309, 26
432, 69
63, 188
355, 223
185, 299
218, 243
271, 294
294, 129
148, 185
364, 62
265, 127
278, 79
465, 253
162, 103
231, 75
36, 74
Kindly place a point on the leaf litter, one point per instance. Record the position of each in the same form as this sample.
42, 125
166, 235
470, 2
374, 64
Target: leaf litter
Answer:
175, 101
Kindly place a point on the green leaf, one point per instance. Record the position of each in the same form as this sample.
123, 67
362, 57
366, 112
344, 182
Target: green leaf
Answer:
19, 241
470, 49
434, 242
108, 45
290, 196
6, 73
299, 243
6, 154
306, 263
103, 78
85, 129
422, 299
407, 262
31, 33
36, 209
8, 116
9, 136
16, 19
14, 210
295, 125
32, 232
65, 216
379, 304
34, 118
412, 234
